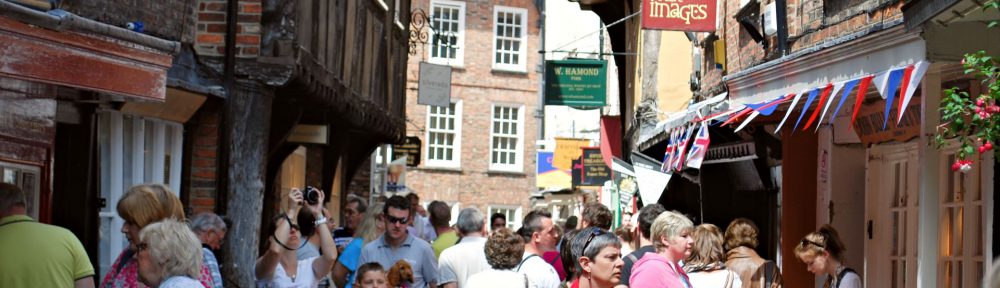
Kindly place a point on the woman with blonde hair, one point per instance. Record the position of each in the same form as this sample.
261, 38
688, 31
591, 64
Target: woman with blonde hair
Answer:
369, 229
671, 237
169, 255
705, 267
823, 253
142, 205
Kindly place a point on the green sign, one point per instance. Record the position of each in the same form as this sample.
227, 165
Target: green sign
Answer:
576, 82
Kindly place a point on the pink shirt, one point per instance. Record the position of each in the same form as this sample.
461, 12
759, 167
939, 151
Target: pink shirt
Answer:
654, 270
128, 273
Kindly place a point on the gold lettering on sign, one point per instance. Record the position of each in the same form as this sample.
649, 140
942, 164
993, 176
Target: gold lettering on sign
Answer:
678, 10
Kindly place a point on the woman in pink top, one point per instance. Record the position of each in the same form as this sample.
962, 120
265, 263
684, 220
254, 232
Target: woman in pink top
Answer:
671, 235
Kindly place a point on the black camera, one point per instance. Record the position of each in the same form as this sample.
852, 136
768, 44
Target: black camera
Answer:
311, 195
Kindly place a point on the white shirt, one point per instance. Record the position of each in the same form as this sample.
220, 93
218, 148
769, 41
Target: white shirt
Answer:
715, 278
461, 261
304, 276
540, 273
499, 279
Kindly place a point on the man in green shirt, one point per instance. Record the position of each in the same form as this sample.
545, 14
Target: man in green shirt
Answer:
36, 254
440, 216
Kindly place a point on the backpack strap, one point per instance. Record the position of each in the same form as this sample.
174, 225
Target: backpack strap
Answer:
518, 269
840, 276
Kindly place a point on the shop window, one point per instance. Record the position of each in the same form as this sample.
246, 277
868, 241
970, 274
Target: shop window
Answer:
27, 178
961, 223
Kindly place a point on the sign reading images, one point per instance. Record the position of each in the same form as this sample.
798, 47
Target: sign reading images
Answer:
576, 82
679, 15
434, 86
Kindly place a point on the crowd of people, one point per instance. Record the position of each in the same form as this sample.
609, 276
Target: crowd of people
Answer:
397, 243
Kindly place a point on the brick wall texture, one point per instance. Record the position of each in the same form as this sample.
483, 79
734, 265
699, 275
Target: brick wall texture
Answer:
479, 87
211, 28
810, 23
204, 159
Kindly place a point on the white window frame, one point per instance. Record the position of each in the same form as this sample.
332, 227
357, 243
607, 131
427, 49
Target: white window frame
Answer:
456, 161
112, 134
975, 181
522, 51
512, 223
518, 165
460, 42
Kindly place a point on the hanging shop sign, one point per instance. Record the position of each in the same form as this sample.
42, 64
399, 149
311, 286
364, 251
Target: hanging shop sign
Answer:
434, 86
595, 172
410, 148
576, 82
679, 15
568, 149
868, 126
310, 134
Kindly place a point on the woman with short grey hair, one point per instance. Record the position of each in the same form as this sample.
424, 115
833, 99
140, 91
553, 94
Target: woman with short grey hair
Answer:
211, 230
598, 258
168, 255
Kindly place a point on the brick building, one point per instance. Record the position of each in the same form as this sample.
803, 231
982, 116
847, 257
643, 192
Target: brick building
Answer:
480, 151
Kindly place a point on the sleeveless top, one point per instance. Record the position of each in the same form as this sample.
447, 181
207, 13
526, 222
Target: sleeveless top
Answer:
304, 276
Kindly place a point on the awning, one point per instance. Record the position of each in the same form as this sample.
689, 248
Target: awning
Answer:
83, 60
650, 136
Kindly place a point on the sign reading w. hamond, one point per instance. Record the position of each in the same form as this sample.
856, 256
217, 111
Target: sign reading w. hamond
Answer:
679, 15
576, 82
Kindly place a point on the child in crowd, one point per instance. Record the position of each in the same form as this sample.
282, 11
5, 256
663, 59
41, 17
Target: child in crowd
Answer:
372, 275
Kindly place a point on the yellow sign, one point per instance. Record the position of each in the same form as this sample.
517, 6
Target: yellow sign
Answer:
568, 149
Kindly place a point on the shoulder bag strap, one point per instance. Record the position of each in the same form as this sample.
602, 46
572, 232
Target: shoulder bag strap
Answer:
729, 279
524, 260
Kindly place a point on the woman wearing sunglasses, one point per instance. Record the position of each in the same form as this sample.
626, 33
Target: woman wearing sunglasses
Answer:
823, 253
279, 267
369, 229
599, 259
671, 236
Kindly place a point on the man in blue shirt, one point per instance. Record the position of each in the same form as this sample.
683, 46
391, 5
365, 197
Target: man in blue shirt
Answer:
396, 244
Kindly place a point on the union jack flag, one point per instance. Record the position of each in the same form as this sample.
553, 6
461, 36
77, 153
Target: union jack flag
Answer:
669, 155
682, 149
698, 149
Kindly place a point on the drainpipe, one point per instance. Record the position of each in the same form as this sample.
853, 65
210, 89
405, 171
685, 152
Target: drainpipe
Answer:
782, 14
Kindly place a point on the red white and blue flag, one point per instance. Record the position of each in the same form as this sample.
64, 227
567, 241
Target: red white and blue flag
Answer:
668, 156
698, 148
682, 148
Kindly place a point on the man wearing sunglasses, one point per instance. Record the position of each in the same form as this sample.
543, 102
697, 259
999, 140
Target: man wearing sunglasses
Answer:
397, 244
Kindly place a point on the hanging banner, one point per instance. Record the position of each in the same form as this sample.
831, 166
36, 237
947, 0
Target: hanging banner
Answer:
595, 172
679, 15
651, 180
576, 82
568, 149
395, 176
625, 186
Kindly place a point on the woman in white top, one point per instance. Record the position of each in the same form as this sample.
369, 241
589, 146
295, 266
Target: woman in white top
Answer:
504, 250
705, 267
278, 267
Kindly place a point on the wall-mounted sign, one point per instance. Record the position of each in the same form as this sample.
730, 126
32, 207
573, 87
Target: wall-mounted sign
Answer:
568, 149
679, 15
868, 126
576, 82
410, 148
313, 134
434, 86
595, 172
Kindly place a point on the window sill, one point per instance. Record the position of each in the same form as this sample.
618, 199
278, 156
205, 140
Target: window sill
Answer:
440, 169
506, 173
509, 71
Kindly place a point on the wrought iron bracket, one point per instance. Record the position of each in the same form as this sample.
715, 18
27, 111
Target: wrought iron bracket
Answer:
419, 20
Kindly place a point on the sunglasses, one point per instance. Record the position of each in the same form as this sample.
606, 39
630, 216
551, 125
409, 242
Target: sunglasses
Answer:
141, 246
396, 220
595, 233
810, 242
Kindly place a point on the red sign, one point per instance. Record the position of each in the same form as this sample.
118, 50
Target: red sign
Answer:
679, 15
